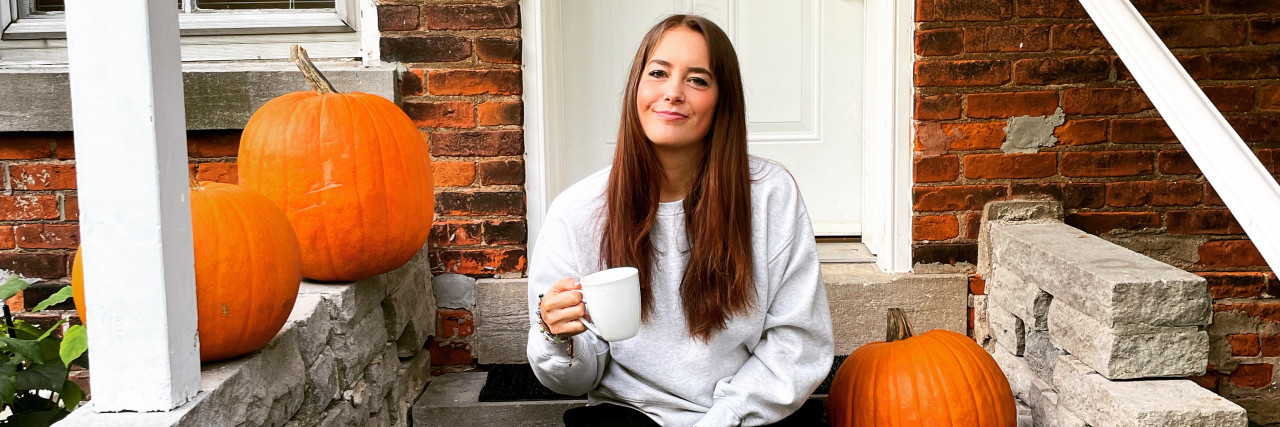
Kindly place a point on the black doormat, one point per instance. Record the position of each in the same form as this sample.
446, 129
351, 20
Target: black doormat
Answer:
513, 383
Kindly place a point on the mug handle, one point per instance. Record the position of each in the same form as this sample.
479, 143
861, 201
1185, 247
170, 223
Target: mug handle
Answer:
590, 326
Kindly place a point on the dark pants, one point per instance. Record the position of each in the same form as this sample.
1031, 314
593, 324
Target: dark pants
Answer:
606, 414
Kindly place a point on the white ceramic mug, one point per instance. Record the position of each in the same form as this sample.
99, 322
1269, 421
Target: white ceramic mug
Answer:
612, 300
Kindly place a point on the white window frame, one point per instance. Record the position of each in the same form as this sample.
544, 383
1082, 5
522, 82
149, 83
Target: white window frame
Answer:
213, 36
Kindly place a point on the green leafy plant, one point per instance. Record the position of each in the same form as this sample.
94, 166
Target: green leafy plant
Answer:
34, 363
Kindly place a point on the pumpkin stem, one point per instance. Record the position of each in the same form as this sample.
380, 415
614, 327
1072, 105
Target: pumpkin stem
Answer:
899, 327
317, 81
195, 185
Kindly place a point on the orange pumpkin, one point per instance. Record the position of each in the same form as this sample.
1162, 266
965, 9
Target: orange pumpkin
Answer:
351, 172
247, 270
939, 378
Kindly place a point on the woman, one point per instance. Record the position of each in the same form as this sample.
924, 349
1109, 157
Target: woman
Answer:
736, 328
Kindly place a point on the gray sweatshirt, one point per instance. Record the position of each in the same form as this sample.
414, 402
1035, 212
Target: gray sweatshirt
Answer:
757, 370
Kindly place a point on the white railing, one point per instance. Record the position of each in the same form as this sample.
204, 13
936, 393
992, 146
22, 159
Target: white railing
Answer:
1244, 184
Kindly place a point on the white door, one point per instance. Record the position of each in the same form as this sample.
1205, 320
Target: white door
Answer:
801, 62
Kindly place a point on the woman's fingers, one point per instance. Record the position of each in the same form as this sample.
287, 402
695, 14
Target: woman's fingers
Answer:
561, 308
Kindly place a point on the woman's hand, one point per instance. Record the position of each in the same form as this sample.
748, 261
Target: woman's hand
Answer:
561, 308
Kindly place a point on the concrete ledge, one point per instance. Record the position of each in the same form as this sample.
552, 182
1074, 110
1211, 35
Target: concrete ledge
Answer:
454, 400
218, 96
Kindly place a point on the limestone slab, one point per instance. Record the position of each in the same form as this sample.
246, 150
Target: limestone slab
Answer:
356, 348
311, 318
1024, 299
454, 291
1040, 353
981, 333
1008, 330
1099, 278
1016, 370
502, 321
1009, 211
1155, 402
860, 296
398, 308
1127, 351
356, 301
1045, 410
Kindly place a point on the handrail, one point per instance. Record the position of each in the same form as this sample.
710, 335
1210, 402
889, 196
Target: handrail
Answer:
1244, 184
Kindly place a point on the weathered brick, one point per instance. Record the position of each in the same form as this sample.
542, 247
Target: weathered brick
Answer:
956, 198
500, 113
1031, 165
223, 172
1256, 127
1051, 9
1169, 7
449, 353
1230, 98
1252, 375
397, 17
1177, 162
486, 143
1242, 6
1077, 37
26, 145
1214, 221
28, 207
1082, 132
64, 146
1107, 163
1271, 345
71, 208
963, 10
974, 72
1020, 38
940, 42
7, 239
441, 114
1061, 70
944, 168
1236, 285
1244, 66
934, 227
501, 232
973, 225
1011, 104
1072, 195
48, 236
1244, 344
40, 265
977, 285
453, 174
411, 82
1269, 98
974, 136
502, 172
455, 233
1264, 311
472, 16
1154, 193
1211, 197
1141, 131
425, 49
943, 106
1196, 65
1201, 33
42, 177
498, 50
1113, 100
482, 262
1270, 158
947, 253
474, 82
1265, 30
480, 203
213, 143
454, 323
1230, 253
1104, 222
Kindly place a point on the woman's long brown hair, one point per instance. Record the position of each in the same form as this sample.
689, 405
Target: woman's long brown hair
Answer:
717, 282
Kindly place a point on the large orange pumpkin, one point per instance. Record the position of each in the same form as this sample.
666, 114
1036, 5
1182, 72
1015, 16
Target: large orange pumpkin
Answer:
939, 378
247, 270
351, 172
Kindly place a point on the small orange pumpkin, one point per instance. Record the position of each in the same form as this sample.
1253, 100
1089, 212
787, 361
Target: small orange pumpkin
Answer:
247, 270
351, 172
939, 378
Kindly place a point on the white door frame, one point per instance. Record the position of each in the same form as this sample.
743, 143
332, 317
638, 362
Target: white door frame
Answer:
886, 183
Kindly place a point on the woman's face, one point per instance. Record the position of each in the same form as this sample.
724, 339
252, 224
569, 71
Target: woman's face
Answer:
676, 97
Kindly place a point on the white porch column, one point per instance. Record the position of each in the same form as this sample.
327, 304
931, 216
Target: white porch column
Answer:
135, 225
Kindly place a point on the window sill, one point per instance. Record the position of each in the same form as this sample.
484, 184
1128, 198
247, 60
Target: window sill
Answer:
218, 96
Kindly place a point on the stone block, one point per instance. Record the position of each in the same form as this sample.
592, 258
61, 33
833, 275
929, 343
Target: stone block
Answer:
1103, 280
1127, 351
1016, 370
411, 380
355, 348
322, 388
379, 379
454, 291
416, 272
860, 296
1156, 402
1045, 410
1040, 353
311, 318
422, 324
1008, 330
981, 333
399, 306
502, 321
1025, 300
356, 300
340, 414
1032, 211
265, 387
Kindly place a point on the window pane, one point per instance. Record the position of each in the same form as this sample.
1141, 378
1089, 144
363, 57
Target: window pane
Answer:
48, 6
264, 4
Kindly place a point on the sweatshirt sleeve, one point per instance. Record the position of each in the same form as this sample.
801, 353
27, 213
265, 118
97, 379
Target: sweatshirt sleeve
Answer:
796, 349
552, 260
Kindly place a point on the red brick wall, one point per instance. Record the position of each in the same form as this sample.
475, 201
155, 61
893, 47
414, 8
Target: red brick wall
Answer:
1117, 168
